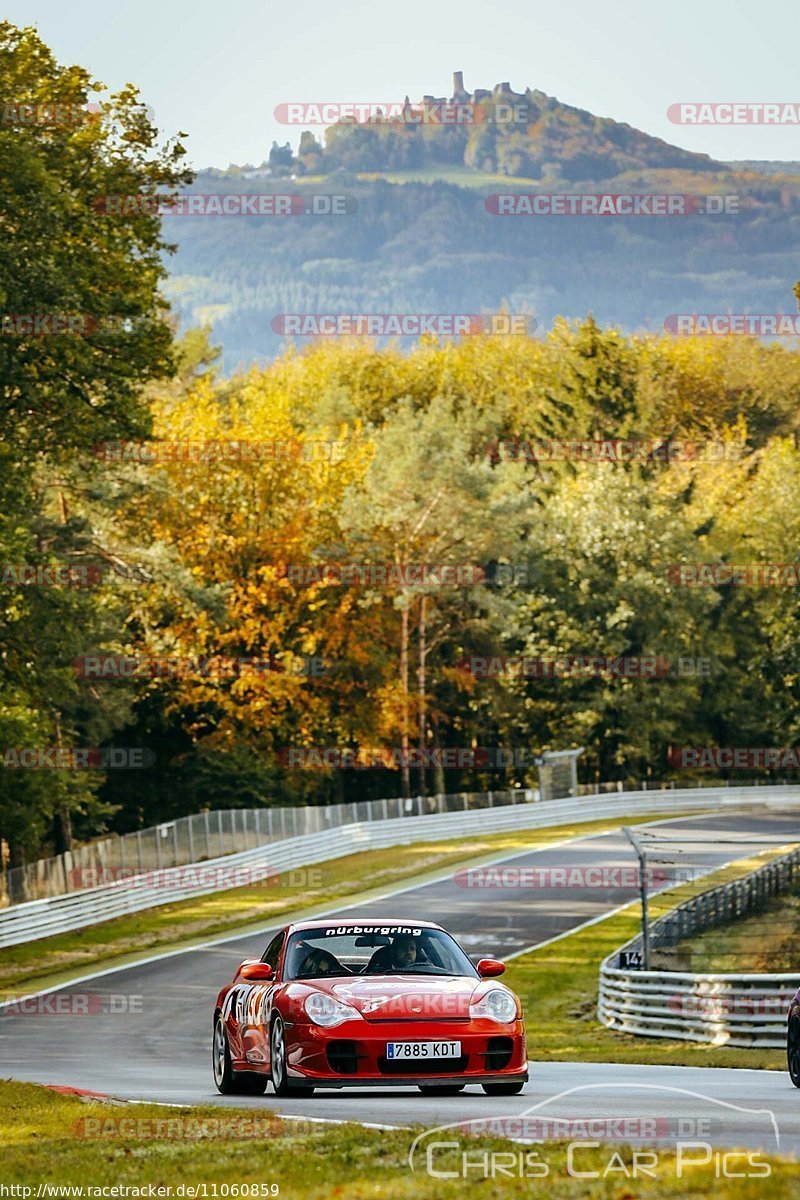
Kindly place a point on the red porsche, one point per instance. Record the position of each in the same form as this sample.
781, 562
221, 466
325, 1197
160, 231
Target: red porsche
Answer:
366, 1003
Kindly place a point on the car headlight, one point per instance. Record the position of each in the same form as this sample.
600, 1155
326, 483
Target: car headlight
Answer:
497, 1005
327, 1011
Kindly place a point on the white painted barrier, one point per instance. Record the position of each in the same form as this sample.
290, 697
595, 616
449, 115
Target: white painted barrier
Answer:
725, 1009
76, 910
730, 1009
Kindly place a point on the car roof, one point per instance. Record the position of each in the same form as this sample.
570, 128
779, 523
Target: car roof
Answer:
372, 922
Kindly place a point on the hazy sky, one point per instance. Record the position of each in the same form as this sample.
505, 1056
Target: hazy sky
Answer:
218, 69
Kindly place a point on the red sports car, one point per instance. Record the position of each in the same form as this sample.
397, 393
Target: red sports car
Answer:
349, 1003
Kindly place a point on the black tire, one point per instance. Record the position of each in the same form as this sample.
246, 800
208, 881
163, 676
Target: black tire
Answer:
277, 1064
793, 1051
502, 1089
228, 1081
441, 1089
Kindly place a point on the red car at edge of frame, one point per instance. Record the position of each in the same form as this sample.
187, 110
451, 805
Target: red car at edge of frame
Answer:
357, 1003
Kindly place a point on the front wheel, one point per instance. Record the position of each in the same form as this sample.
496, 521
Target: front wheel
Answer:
228, 1081
793, 1051
502, 1089
277, 1064
441, 1089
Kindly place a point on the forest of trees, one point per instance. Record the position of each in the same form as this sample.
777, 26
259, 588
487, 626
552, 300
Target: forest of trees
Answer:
433, 247
202, 515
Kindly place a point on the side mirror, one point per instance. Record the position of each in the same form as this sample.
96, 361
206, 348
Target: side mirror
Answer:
488, 968
256, 971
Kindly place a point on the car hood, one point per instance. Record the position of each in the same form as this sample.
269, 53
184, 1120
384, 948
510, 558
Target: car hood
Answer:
406, 998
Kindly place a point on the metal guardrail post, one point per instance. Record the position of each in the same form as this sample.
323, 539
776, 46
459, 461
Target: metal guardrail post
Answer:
640, 852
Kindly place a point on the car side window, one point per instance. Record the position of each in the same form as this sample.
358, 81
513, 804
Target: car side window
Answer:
272, 953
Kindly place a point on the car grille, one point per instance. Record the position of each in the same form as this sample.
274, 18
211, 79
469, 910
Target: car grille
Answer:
498, 1053
343, 1057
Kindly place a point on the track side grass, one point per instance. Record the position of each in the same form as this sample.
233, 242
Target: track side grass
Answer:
52, 1139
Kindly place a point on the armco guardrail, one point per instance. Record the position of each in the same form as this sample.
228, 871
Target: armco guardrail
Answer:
208, 835
720, 1009
205, 835
725, 1009
211, 834
41, 918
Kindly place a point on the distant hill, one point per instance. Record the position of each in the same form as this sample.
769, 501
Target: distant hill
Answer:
417, 234
498, 131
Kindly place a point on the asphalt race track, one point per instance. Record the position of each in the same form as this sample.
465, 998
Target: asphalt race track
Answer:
162, 1052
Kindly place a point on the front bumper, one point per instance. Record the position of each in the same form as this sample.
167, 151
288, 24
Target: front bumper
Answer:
412, 1081
353, 1054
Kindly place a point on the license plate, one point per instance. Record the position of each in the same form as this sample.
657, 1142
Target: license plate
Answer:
417, 1050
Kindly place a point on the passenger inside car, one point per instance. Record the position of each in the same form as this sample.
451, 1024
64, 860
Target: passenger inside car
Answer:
318, 962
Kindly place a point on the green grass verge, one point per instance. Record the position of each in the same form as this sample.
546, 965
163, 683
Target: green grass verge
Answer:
767, 941
558, 987
36, 965
44, 1141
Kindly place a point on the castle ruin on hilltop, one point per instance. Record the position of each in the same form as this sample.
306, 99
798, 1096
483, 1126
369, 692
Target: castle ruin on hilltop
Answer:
500, 91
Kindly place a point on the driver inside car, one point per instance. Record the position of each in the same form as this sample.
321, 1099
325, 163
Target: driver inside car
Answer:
403, 952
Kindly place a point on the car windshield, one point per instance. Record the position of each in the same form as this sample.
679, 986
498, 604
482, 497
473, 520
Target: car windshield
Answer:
374, 950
